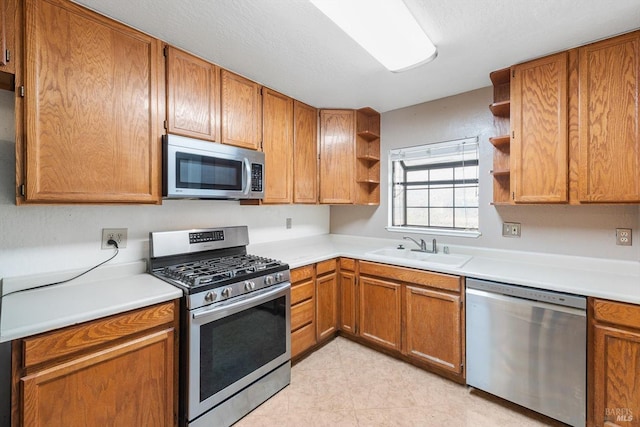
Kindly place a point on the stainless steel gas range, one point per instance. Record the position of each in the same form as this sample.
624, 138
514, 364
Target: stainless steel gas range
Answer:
236, 317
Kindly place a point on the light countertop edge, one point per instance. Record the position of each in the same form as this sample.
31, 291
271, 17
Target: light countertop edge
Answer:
102, 294
594, 277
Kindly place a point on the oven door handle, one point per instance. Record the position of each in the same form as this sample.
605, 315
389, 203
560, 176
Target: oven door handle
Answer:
249, 299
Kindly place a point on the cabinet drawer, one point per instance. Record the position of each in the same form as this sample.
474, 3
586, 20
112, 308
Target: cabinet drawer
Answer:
348, 264
63, 342
326, 266
301, 314
618, 313
301, 291
301, 273
411, 275
302, 339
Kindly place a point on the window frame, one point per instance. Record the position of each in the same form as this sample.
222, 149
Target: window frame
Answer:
417, 152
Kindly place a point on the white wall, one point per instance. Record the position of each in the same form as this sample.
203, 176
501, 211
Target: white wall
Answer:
575, 230
39, 238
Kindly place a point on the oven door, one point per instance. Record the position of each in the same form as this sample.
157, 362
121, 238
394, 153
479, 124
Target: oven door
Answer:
235, 343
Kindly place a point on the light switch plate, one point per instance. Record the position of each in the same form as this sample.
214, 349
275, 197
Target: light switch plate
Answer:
511, 229
623, 236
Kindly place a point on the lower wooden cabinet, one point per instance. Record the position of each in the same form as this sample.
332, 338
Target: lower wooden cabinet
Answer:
347, 278
303, 301
379, 317
327, 304
614, 359
115, 371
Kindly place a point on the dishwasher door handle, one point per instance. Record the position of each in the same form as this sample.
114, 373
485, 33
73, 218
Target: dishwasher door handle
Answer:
525, 302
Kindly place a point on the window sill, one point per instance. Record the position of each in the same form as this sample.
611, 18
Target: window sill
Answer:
436, 231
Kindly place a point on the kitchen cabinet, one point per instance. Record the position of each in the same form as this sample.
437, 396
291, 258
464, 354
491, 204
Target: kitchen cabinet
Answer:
539, 130
303, 309
241, 111
327, 300
379, 305
277, 144
9, 15
609, 120
433, 319
614, 358
501, 108
119, 370
350, 157
348, 296
193, 96
88, 125
305, 153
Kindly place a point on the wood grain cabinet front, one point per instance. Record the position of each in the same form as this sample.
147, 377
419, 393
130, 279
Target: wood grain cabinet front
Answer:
348, 284
94, 95
117, 371
305, 153
277, 144
609, 120
241, 109
614, 360
193, 96
8, 10
327, 303
303, 310
539, 128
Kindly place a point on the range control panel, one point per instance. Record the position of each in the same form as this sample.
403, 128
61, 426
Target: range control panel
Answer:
206, 236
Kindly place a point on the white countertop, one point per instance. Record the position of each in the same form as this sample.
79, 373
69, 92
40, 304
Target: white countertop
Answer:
108, 290
596, 277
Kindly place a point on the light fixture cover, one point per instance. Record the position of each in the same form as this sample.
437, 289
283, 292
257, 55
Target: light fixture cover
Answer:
384, 28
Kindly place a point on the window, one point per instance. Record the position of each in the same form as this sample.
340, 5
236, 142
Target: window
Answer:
434, 188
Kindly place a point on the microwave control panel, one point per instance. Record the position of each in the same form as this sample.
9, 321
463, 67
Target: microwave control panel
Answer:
256, 177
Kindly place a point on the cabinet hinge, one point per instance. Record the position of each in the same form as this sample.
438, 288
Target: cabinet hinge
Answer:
21, 91
513, 195
7, 55
165, 125
513, 73
165, 50
22, 190
513, 134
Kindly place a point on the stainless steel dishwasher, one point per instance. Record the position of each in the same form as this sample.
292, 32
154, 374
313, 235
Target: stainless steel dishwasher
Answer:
528, 346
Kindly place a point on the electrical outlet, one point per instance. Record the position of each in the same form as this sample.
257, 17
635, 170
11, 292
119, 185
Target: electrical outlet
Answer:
117, 234
288, 223
511, 229
623, 236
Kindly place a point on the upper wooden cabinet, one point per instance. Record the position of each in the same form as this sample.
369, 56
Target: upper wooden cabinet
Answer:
609, 120
277, 144
305, 153
8, 13
91, 108
241, 111
193, 96
500, 108
614, 356
350, 157
539, 139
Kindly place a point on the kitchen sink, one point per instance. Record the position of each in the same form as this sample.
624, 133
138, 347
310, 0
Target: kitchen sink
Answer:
450, 260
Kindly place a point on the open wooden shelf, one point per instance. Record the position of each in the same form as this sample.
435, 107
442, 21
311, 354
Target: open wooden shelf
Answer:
501, 109
500, 172
368, 135
500, 141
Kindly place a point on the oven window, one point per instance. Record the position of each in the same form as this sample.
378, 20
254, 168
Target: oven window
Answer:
211, 173
236, 345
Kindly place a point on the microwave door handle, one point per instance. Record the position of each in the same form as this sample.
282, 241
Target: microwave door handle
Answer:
247, 166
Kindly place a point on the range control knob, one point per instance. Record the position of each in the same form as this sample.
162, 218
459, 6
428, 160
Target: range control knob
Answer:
249, 285
210, 297
268, 280
279, 277
226, 292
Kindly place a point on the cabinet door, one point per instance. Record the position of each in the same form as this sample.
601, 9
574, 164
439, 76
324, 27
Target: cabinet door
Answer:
609, 127
539, 143
337, 158
7, 41
616, 394
433, 328
241, 111
348, 298
277, 144
379, 317
327, 306
128, 384
91, 107
3, 32
193, 96
305, 153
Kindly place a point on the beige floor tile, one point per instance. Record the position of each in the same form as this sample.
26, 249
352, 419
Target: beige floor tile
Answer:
345, 384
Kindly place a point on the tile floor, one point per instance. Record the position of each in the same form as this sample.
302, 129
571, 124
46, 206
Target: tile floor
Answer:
347, 384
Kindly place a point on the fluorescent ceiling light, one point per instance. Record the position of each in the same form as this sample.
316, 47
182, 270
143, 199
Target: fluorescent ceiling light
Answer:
384, 28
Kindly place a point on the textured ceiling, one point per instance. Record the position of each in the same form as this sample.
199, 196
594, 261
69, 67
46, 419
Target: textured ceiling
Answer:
292, 47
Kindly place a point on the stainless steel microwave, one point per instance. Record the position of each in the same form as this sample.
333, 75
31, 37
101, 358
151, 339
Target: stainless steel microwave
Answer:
198, 169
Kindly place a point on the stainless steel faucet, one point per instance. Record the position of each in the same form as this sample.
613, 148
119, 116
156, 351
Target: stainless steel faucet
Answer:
423, 245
